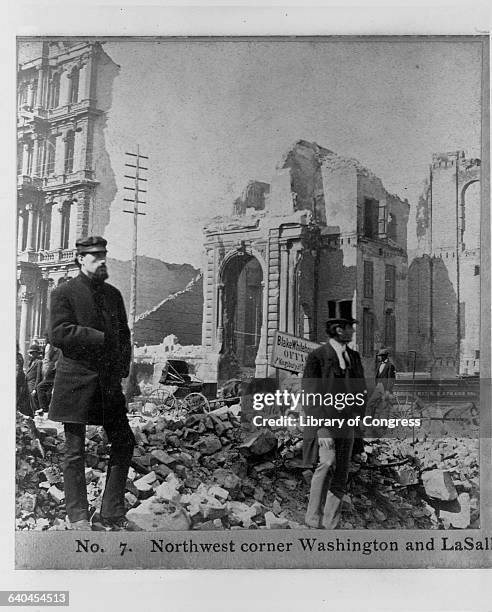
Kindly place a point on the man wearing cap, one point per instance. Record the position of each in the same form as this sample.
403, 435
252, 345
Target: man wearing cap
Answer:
88, 323
330, 369
385, 381
34, 375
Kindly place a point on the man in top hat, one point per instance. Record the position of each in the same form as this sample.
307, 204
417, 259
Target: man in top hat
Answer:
384, 380
88, 324
330, 369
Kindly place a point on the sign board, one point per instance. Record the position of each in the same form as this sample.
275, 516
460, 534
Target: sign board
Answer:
289, 352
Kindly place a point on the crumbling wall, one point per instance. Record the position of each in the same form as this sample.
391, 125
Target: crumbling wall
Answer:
97, 157
180, 314
304, 161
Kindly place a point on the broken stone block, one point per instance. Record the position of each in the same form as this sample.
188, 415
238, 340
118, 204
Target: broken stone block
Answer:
439, 485
167, 491
461, 518
212, 508
258, 443
180, 471
266, 466
218, 492
275, 522
162, 470
154, 515
27, 502
52, 474
259, 494
192, 483
209, 444
208, 526
145, 482
131, 499
226, 479
56, 494
163, 457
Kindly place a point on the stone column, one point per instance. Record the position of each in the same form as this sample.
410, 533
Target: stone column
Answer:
31, 230
72, 234
56, 227
26, 299
36, 154
284, 280
220, 316
25, 158
261, 361
60, 154
291, 292
20, 230
30, 94
64, 88
40, 92
86, 85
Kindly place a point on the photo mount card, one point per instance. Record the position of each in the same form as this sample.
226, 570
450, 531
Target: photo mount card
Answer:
286, 183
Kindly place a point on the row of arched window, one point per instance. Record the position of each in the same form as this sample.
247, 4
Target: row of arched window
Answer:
53, 97
46, 157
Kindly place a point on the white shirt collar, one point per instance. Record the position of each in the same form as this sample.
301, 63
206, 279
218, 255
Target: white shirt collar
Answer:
340, 350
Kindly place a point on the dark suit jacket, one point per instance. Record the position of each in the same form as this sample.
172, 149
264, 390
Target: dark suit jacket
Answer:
387, 376
88, 323
322, 374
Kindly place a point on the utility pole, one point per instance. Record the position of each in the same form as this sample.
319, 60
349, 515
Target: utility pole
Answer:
137, 190
458, 292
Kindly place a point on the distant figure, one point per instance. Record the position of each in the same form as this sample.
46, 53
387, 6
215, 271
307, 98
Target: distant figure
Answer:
34, 375
385, 381
23, 403
45, 387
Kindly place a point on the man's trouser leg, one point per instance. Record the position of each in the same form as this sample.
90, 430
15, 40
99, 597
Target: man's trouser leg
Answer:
375, 401
333, 503
122, 442
319, 484
74, 473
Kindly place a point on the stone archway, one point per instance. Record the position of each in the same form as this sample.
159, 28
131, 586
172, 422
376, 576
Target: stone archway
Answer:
242, 314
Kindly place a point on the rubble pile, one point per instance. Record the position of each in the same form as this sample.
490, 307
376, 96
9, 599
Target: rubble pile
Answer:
204, 472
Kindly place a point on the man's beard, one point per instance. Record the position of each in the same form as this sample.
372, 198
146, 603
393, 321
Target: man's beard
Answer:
101, 274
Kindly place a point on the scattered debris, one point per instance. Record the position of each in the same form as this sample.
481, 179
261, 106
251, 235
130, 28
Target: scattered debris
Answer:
203, 472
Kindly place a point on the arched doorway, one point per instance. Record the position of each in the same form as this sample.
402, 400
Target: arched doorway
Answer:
242, 307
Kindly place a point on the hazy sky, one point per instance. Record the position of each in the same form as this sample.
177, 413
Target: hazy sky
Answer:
213, 115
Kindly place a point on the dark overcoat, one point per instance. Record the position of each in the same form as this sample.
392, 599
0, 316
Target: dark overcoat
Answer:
386, 376
88, 324
323, 375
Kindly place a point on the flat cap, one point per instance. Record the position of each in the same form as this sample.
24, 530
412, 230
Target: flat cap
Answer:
341, 322
383, 351
91, 244
35, 348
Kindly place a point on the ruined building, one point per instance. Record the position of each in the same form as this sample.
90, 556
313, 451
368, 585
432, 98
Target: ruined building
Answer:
444, 279
65, 181
324, 239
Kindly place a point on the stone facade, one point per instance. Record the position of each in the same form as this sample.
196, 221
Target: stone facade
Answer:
446, 271
64, 93
323, 239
